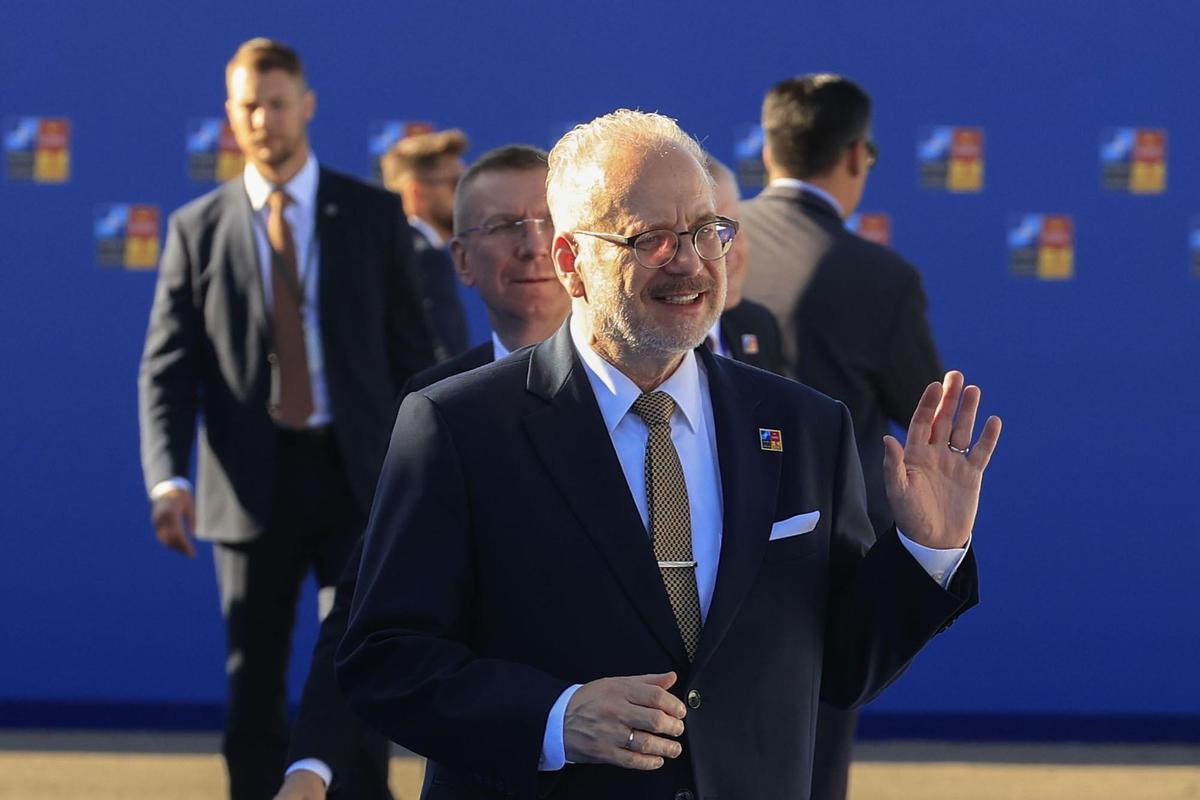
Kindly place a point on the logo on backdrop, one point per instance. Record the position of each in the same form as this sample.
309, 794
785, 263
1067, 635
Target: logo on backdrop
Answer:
747, 157
126, 236
1042, 246
951, 158
1134, 160
212, 152
1194, 240
37, 149
382, 135
874, 226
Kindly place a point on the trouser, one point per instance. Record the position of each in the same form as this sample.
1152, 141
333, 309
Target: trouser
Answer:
314, 522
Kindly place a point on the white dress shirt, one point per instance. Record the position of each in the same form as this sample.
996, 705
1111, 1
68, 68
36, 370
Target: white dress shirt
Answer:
428, 231
718, 341
796, 183
694, 435
301, 216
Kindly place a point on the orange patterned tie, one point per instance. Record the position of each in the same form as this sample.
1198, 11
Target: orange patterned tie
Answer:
295, 384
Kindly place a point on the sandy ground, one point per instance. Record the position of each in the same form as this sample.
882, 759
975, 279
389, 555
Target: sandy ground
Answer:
59, 768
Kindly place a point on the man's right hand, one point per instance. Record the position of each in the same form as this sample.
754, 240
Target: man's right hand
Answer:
602, 714
174, 518
302, 784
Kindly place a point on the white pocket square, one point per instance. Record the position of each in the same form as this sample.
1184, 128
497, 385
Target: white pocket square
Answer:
794, 526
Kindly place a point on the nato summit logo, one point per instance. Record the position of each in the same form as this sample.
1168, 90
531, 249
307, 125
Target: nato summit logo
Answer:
874, 226
1042, 246
747, 157
212, 151
37, 149
951, 158
1134, 160
381, 136
126, 236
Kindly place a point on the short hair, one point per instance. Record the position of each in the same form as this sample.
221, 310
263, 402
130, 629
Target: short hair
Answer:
263, 55
509, 158
809, 120
720, 171
576, 187
413, 154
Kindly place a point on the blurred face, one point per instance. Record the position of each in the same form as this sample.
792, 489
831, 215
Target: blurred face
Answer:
739, 254
437, 195
511, 270
269, 113
642, 313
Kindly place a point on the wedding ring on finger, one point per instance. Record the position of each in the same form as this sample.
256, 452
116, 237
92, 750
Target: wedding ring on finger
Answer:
629, 742
962, 451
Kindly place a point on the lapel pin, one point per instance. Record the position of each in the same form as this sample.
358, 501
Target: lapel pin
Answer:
749, 344
331, 209
770, 439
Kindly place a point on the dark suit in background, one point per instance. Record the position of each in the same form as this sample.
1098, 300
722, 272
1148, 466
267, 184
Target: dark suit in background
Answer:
434, 273
506, 560
751, 335
276, 502
854, 327
325, 728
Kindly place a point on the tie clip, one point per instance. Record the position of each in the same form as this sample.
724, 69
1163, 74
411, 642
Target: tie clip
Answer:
679, 564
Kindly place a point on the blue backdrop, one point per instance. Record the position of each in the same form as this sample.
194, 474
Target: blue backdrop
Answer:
1086, 540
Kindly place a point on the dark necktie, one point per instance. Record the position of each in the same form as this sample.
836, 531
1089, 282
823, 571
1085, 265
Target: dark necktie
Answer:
295, 384
670, 516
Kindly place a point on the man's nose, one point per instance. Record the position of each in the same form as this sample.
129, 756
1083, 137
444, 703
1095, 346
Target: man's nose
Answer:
686, 261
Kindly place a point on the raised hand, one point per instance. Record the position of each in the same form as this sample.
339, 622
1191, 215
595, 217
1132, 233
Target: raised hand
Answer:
933, 481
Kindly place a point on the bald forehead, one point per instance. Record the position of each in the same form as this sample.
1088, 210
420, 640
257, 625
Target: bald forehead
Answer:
493, 192
664, 170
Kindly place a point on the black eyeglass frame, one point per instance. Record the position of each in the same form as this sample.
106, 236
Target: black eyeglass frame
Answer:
516, 226
631, 241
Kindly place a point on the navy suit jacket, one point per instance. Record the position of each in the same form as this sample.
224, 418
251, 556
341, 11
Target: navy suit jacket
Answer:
208, 347
505, 560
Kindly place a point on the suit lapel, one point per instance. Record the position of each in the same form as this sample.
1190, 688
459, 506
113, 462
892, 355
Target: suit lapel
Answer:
732, 336
749, 486
571, 439
243, 256
331, 241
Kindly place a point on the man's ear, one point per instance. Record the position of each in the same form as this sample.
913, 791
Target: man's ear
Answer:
768, 158
565, 257
855, 159
310, 104
458, 253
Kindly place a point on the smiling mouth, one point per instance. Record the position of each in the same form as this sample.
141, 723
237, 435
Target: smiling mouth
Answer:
679, 299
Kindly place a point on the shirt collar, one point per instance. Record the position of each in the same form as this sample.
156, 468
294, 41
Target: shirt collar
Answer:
302, 188
616, 393
428, 231
796, 183
499, 351
715, 333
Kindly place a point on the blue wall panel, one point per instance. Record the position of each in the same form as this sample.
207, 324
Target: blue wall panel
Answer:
1086, 536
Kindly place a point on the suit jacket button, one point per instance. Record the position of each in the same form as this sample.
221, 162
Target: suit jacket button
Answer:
693, 701
684, 794
272, 359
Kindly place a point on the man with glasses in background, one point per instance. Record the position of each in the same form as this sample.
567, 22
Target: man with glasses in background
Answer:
613, 565
501, 248
852, 311
424, 170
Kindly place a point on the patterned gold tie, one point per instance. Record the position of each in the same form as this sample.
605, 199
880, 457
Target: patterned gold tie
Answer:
295, 384
670, 516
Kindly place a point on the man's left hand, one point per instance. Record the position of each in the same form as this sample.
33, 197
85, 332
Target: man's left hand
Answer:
933, 480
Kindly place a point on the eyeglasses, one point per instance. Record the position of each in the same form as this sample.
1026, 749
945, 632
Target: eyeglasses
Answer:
655, 249
513, 230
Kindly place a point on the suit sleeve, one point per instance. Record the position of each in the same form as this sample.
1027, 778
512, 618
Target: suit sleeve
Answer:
911, 361
406, 664
410, 344
325, 728
884, 607
169, 376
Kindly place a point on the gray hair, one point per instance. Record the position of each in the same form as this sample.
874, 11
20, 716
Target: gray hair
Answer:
578, 189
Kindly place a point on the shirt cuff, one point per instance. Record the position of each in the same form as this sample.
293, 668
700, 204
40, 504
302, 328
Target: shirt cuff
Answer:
162, 487
313, 765
940, 564
554, 752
